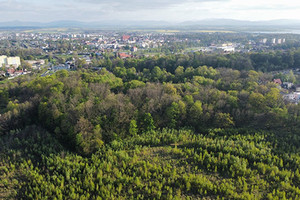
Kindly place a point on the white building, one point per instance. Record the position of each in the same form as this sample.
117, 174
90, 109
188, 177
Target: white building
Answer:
3, 60
227, 48
8, 61
279, 41
265, 40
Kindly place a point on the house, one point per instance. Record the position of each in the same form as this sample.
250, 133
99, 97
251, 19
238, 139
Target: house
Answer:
292, 97
35, 63
18, 72
124, 55
10, 71
87, 59
125, 37
277, 81
297, 87
134, 49
2, 73
60, 67
287, 85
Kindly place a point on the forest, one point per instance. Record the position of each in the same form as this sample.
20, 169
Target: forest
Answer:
264, 61
150, 129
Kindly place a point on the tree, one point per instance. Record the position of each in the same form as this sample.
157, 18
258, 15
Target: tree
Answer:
223, 120
135, 84
257, 101
147, 123
88, 138
195, 114
133, 130
172, 114
108, 64
26, 65
292, 77
156, 73
80, 63
179, 71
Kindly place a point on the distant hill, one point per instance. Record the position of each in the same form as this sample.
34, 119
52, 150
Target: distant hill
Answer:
118, 24
232, 22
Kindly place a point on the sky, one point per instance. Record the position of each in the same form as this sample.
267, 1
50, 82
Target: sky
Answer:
150, 10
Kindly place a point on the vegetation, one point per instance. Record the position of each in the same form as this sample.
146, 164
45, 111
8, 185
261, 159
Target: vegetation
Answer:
148, 133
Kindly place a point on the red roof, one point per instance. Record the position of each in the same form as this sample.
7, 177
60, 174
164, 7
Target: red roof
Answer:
19, 71
125, 37
277, 81
124, 55
11, 70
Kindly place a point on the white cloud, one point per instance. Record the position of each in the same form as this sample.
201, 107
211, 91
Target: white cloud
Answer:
168, 10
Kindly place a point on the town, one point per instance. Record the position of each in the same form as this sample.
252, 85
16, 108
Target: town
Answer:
24, 52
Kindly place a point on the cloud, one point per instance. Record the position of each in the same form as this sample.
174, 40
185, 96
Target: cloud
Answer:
133, 5
167, 10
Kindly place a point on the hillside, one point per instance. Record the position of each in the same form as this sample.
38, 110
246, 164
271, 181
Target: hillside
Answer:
195, 133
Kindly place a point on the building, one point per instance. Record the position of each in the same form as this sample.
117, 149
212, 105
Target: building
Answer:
8, 61
10, 71
124, 55
287, 85
277, 81
292, 97
264, 40
134, 49
228, 49
125, 37
279, 41
3, 60
297, 87
35, 64
61, 67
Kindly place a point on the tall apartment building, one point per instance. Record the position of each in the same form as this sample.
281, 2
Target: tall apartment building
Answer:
10, 61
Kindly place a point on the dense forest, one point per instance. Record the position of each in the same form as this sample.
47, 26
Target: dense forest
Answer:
267, 61
158, 128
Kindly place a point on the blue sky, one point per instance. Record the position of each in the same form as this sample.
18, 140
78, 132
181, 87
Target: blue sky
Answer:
165, 10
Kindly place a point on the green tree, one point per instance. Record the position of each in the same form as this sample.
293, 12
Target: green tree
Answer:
135, 84
223, 120
292, 77
133, 130
179, 71
172, 113
156, 73
195, 114
147, 123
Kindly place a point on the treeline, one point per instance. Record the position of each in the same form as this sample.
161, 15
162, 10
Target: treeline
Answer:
258, 61
88, 109
27, 54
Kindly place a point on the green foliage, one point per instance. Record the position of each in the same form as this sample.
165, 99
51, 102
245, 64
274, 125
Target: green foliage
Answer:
201, 98
135, 84
229, 164
224, 120
133, 130
172, 114
149, 132
146, 123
